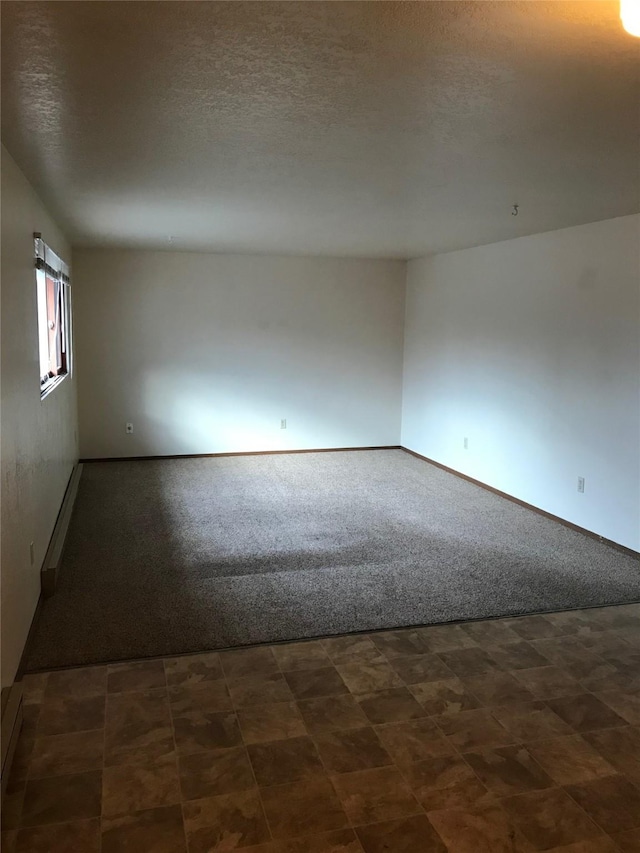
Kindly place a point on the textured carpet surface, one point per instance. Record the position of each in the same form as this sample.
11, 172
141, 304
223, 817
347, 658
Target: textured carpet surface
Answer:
183, 555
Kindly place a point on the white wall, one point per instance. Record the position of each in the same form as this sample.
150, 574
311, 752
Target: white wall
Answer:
530, 348
38, 438
206, 353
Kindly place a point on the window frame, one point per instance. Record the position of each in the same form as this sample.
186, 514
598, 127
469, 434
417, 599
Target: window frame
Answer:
53, 296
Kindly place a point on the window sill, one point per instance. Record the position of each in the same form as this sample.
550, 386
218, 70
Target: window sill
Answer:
45, 390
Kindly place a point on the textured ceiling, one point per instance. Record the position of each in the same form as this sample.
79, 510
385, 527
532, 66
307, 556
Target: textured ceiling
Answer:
344, 128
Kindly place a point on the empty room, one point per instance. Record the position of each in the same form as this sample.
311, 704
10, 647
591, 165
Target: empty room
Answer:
320, 426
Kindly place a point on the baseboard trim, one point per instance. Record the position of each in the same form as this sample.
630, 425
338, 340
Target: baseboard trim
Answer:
629, 551
238, 453
53, 557
10, 729
22, 666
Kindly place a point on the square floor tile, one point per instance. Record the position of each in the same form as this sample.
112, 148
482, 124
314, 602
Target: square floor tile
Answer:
303, 808
390, 706
193, 669
154, 831
613, 802
619, 616
570, 760
601, 844
58, 755
205, 696
444, 697
310, 683
421, 668
367, 677
259, 690
620, 747
336, 841
209, 774
282, 761
589, 668
446, 783
241, 663
82, 835
198, 731
22, 755
328, 713
625, 703
508, 770
576, 621
307, 655
158, 742
446, 638
77, 683
30, 718
413, 834
548, 682
560, 650
550, 818
147, 784
585, 713
226, 822
126, 677
371, 796
281, 720
468, 662
485, 829
518, 655
351, 749
531, 721
491, 632
33, 688
413, 740
355, 648
497, 688
605, 642
12, 803
536, 627
395, 644
628, 842
60, 715
61, 799
469, 730
137, 721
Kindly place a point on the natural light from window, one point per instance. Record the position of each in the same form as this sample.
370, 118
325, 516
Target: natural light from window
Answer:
54, 316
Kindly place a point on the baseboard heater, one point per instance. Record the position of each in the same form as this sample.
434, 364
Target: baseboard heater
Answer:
53, 557
11, 725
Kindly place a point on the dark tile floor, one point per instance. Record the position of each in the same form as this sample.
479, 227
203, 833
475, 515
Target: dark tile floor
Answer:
514, 735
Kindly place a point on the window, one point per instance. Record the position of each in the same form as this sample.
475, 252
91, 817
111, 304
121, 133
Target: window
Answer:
54, 317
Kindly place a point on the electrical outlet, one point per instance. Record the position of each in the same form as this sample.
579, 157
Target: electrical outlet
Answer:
283, 423
128, 429
466, 443
581, 484
32, 552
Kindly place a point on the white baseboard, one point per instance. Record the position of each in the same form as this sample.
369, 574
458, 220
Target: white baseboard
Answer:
53, 557
11, 725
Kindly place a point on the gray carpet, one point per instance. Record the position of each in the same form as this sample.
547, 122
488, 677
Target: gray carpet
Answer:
183, 555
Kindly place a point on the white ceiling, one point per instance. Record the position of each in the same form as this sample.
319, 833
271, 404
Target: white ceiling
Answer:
382, 129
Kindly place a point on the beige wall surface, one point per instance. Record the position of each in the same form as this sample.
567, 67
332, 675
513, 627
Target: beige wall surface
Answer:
38, 438
530, 349
207, 353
